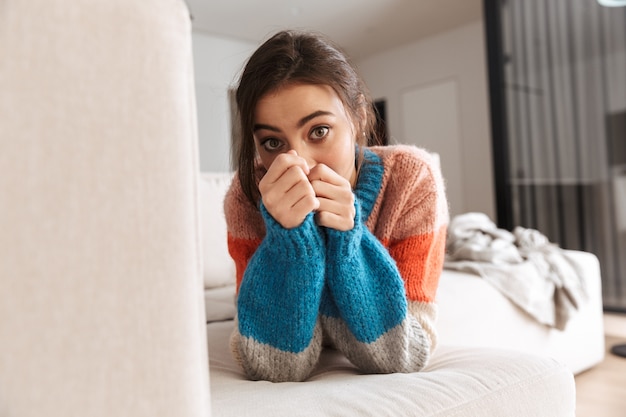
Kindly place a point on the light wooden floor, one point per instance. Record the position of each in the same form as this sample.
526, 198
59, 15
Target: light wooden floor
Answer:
601, 391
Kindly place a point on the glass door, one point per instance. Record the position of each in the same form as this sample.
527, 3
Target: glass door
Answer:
557, 73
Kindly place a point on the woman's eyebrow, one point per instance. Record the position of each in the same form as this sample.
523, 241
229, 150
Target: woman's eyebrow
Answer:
259, 126
301, 122
313, 115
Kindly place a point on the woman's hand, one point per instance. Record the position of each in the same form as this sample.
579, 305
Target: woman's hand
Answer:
286, 191
336, 200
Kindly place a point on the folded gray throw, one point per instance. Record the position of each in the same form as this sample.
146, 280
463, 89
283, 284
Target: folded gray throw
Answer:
535, 274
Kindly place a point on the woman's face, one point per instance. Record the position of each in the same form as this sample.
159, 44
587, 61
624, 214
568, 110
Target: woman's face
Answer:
310, 119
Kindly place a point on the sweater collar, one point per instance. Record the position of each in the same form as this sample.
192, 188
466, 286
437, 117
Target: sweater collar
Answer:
369, 182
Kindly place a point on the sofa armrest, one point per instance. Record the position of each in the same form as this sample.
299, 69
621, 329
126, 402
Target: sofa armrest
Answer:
101, 311
474, 313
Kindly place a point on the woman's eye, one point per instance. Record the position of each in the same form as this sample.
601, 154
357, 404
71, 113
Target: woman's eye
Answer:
319, 132
271, 144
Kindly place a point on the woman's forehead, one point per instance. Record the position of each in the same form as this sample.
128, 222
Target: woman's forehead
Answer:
298, 99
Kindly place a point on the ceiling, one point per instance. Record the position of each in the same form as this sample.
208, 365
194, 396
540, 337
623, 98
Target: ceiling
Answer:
361, 27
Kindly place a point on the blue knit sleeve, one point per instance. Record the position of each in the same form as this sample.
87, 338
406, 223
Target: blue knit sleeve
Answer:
364, 306
278, 304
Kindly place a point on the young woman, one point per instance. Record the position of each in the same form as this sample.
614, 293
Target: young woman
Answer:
335, 243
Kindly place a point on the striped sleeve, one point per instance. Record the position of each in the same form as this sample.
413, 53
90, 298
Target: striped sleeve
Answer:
277, 336
383, 274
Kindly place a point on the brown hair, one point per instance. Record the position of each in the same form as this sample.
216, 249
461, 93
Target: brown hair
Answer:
297, 57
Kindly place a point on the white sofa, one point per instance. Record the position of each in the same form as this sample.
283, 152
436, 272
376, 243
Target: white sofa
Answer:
105, 231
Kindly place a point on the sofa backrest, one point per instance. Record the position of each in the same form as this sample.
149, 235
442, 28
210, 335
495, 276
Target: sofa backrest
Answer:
219, 268
101, 308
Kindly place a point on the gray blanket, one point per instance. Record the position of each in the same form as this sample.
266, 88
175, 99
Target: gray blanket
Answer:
524, 265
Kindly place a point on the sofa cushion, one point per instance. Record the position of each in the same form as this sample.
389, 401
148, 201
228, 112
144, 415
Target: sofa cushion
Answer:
219, 303
219, 268
457, 382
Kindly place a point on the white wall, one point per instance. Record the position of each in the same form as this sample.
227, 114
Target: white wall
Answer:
217, 63
437, 97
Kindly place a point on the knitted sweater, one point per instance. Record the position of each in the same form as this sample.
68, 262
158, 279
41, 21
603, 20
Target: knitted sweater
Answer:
369, 291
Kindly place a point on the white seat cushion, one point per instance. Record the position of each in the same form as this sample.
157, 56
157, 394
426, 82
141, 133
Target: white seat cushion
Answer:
457, 382
219, 303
